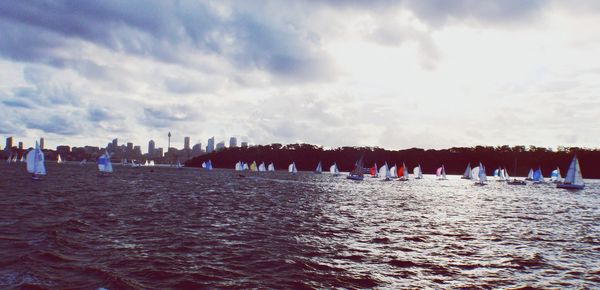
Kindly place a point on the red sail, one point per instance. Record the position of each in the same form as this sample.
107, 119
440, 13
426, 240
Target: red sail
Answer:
373, 170
401, 171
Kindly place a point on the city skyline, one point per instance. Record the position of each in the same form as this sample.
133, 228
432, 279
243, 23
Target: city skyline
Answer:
393, 74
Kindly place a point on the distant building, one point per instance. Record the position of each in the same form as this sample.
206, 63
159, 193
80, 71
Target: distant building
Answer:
129, 147
42, 143
186, 143
151, 146
244, 144
158, 152
20, 145
232, 142
115, 143
197, 150
220, 146
210, 145
9, 142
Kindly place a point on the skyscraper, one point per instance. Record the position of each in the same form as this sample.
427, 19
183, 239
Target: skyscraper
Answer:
9, 141
232, 142
197, 150
220, 146
210, 145
42, 143
20, 145
115, 143
151, 148
244, 144
186, 143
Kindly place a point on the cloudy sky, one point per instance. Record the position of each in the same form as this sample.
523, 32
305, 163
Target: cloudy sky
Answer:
394, 74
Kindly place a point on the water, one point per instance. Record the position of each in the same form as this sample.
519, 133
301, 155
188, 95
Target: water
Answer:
189, 229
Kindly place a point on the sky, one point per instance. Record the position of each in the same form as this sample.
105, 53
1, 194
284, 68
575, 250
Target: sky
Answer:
393, 74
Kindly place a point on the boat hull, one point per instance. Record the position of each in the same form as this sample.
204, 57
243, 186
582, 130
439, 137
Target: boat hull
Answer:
354, 177
517, 182
569, 186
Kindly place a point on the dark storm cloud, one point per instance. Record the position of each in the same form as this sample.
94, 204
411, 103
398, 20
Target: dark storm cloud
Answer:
33, 30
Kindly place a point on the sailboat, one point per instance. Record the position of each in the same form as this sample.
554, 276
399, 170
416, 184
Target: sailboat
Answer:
555, 176
292, 168
479, 171
35, 162
178, 165
319, 168
134, 165
14, 160
245, 166
441, 173
500, 174
207, 165
58, 160
253, 166
83, 162
239, 166
574, 179
22, 158
403, 173
262, 167
468, 174
357, 172
104, 164
515, 181
385, 171
9, 159
538, 177
394, 171
151, 163
146, 163
271, 167
530, 175
334, 170
417, 172
373, 171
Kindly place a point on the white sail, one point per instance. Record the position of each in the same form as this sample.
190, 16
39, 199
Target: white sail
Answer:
417, 172
238, 166
245, 167
468, 172
530, 175
319, 168
475, 173
151, 162
574, 173
104, 164
22, 158
292, 168
262, 167
83, 162
178, 165
146, 163
481, 174
505, 172
271, 167
35, 161
404, 171
334, 169
394, 171
383, 169
58, 160
388, 173
9, 159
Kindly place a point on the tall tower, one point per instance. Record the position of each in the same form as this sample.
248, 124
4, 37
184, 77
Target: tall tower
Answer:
210, 145
232, 142
186, 143
151, 147
42, 143
9, 142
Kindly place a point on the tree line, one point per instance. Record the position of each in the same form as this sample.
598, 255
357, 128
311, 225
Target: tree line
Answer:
455, 160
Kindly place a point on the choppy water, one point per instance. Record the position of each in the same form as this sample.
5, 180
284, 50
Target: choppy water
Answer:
189, 229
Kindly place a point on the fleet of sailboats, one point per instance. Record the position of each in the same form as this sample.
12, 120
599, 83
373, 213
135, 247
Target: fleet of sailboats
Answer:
573, 180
